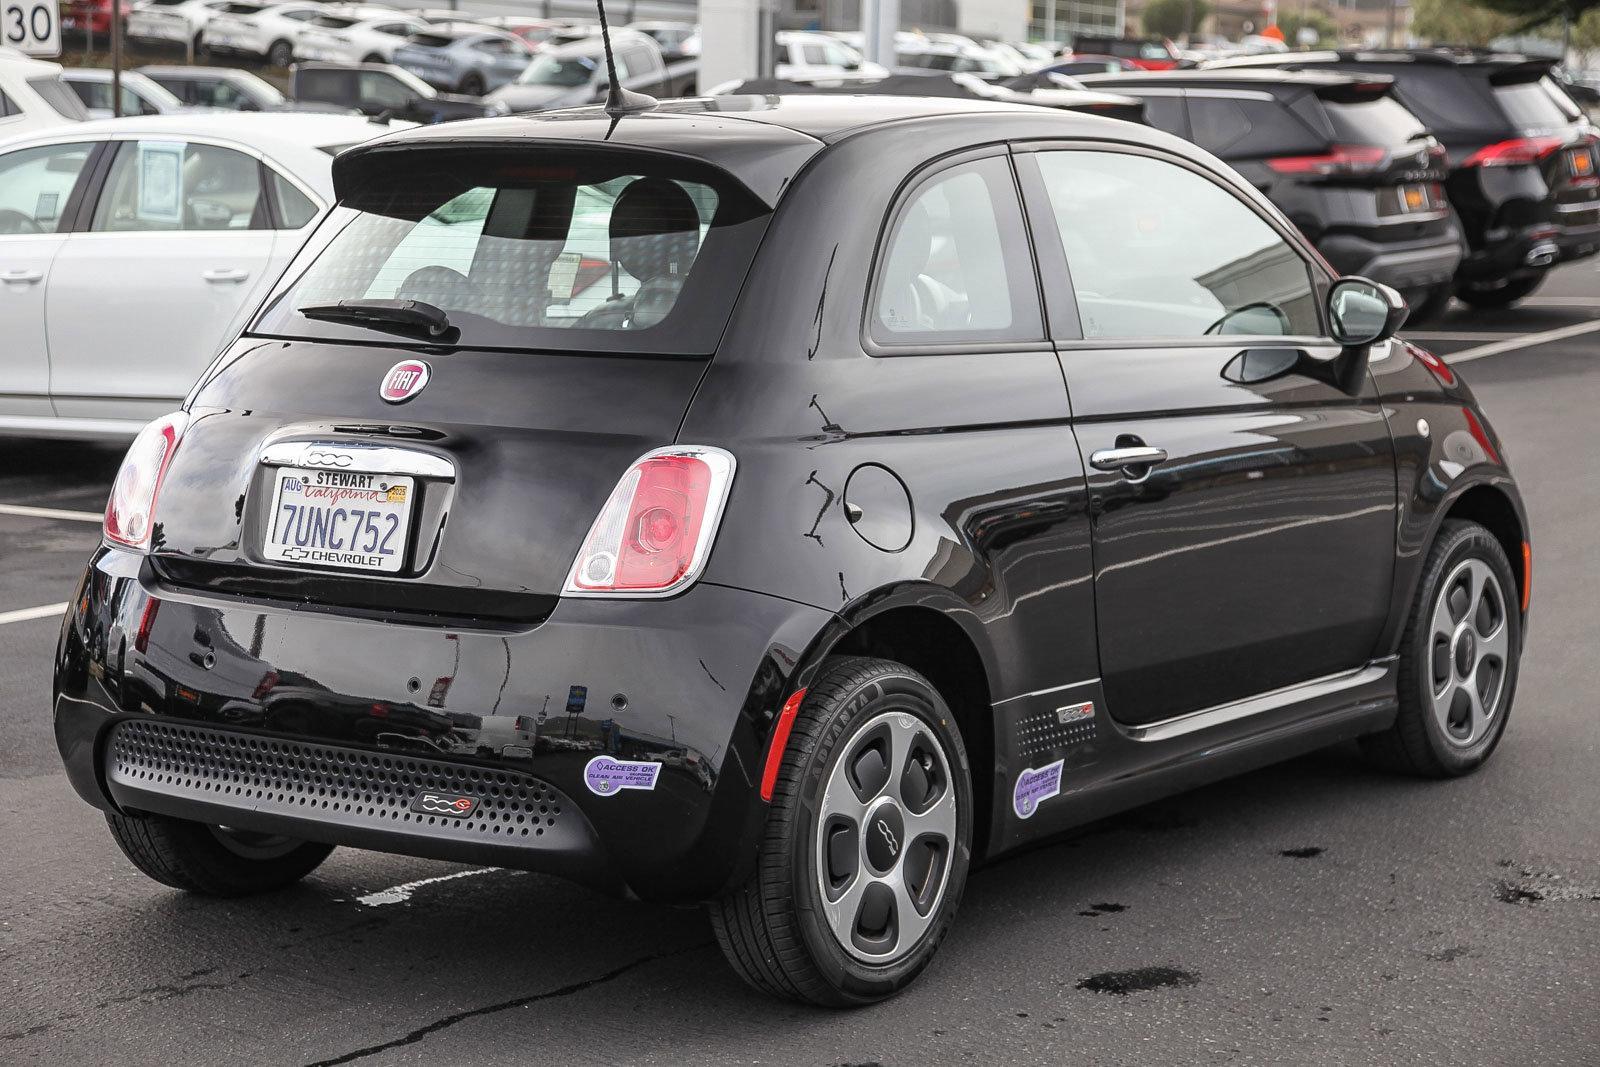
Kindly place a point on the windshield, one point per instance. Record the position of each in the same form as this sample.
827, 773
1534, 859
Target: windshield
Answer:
543, 249
568, 72
62, 100
1380, 121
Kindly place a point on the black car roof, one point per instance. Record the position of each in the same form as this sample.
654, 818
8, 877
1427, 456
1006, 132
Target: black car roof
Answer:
763, 141
1335, 56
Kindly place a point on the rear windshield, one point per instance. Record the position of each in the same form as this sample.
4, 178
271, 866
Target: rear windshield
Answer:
1531, 106
1442, 97
534, 248
1380, 121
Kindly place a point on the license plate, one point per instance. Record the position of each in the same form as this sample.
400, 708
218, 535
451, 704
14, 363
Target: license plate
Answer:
340, 519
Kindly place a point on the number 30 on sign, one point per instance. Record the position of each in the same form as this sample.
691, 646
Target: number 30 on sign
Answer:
31, 26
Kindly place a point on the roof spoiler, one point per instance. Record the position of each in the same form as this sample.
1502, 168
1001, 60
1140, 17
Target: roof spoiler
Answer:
1357, 90
1520, 73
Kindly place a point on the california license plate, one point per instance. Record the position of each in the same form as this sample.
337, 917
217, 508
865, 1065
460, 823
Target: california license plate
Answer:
346, 519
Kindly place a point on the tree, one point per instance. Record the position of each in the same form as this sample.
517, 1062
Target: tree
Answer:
1530, 14
1292, 22
1174, 18
1458, 22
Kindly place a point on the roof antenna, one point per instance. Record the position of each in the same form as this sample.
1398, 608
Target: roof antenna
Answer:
619, 101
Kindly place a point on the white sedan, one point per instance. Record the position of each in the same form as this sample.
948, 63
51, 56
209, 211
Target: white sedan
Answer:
131, 249
33, 96
264, 30
176, 21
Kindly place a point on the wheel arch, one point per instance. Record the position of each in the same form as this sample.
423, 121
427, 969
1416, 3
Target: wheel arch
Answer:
934, 632
1488, 505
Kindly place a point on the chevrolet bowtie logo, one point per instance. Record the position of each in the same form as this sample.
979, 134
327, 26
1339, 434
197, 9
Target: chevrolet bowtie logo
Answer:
295, 553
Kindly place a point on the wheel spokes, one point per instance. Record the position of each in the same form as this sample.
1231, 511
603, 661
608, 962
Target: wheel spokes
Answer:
1469, 647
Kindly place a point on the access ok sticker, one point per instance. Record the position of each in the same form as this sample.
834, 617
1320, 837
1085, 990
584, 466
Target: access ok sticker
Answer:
606, 776
1034, 787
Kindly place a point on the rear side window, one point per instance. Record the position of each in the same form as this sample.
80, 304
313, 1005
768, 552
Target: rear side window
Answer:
35, 184
534, 249
1156, 250
170, 185
295, 208
1380, 121
946, 275
1530, 106
61, 100
1247, 127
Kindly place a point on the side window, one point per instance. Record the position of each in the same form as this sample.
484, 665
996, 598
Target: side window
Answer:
813, 55
638, 61
295, 208
379, 88
7, 108
169, 185
302, 16
35, 184
945, 274
325, 84
1156, 250
1165, 113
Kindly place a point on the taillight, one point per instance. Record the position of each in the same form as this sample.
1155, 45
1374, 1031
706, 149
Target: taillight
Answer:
1515, 152
655, 532
131, 511
1344, 159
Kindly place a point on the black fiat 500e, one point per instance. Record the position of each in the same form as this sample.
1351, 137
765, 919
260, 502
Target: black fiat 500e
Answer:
782, 504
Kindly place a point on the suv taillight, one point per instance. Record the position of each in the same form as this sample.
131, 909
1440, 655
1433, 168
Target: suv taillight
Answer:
131, 511
1343, 159
653, 535
1515, 152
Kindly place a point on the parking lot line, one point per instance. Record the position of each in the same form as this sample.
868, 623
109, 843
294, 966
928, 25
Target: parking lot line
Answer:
51, 513
1527, 340
44, 611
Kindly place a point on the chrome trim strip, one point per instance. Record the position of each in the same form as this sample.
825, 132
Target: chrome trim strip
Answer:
357, 456
1045, 692
1206, 718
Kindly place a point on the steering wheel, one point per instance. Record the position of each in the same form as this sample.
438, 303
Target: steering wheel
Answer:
12, 221
1259, 305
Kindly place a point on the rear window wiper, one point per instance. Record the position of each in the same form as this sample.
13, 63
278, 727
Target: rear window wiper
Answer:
379, 314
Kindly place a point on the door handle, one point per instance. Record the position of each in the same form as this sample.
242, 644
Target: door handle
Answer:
225, 274
1130, 456
22, 276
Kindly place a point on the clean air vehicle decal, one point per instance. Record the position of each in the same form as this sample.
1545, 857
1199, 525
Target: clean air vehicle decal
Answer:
1034, 787
606, 776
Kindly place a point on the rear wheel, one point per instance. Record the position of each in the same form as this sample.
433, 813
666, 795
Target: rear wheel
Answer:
1458, 659
213, 860
280, 54
1428, 304
1498, 294
867, 843
373, 58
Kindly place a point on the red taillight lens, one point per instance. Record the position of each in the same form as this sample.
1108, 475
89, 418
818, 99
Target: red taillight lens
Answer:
654, 533
1515, 152
131, 511
1344, 159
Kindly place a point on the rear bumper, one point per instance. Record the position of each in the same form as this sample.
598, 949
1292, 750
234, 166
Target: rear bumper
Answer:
1580, 232
274, 718
1411, 265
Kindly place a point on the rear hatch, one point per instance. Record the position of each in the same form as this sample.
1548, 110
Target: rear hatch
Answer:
436, 366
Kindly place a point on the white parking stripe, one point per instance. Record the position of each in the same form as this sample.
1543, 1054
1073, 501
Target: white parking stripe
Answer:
45, 611
1560, 301
1527, 340
30, 512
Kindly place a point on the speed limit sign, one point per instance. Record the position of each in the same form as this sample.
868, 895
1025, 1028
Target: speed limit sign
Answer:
31, 26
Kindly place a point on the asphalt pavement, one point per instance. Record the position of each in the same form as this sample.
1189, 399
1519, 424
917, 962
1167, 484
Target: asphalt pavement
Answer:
1316, 912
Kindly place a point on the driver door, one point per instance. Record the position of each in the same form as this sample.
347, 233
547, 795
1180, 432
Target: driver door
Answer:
1253, 548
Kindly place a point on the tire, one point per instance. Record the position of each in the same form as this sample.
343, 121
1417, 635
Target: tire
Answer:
1498, 294
213, 861
1440, 731
776, 929
373, 58
1429, 305
471, 85
280, 54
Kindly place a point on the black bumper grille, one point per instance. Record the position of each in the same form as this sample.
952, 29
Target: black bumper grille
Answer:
317, 783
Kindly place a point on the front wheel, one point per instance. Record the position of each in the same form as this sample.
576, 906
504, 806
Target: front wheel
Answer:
472, 85
1458, 659
215, 861
867, 844
281, 54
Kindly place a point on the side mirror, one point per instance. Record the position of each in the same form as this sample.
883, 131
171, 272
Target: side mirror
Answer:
1362, 313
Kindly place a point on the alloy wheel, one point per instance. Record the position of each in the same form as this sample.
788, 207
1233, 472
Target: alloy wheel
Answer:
885, 835
1468, 651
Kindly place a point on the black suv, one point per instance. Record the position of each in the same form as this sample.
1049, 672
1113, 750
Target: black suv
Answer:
1349, 165
1523, 167
782, 503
